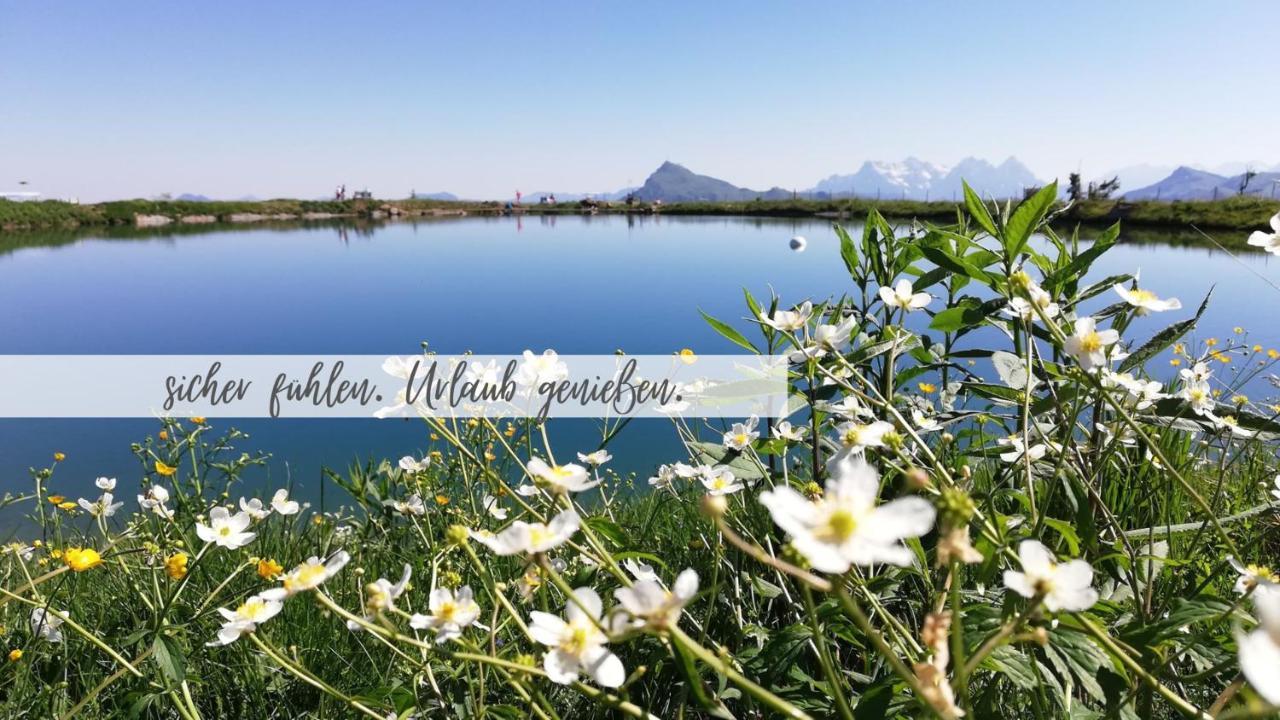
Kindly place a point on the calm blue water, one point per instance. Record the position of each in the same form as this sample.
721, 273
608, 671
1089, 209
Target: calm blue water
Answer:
578, 285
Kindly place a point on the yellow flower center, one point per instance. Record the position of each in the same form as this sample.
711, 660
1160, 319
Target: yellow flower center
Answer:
306, 576
578, 640
1142, 296
1091, 342
539, 534
740, 438
841, 524
447, 611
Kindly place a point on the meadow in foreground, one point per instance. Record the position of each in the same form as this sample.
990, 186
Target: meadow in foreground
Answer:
1037, 528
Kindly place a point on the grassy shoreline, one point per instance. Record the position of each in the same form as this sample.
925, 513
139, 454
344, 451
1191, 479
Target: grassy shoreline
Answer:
1230, 213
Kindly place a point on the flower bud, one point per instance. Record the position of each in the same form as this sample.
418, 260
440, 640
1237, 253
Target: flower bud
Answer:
714, 506
457, 535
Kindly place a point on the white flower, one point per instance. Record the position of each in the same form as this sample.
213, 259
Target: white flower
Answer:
845, 526
45, 625
1251, 576
665, 476
789, 320
1036, 452
493, 506
106, 483
1144, 300
789, 432
411, 505
856, 437
924, 423
741, 435
833, 337
578, 645
410, 465
1260, 649
847, 407
539, 369
1199, 396
380, 596
309, 575
255, 508
902, 296
102, 507
595, 459
449, 613
281, 503
1276, 491
639, 570
154, 500
523, 537
1268, 241
226, 530
721, 481
1023, 308
1064, 586
651, 603
255, 610
1088, 344
1200, 372
561, 478
1145, 392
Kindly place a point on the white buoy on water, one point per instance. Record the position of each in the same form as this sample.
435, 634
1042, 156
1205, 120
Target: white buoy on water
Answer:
798, 243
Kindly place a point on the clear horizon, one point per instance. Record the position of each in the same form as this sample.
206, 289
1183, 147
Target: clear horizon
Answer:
290, 100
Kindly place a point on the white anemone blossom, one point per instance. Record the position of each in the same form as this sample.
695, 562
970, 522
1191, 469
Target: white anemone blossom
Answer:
1268, 241
576, 644
281, 503
789, 320
1260, 649
154, 500
1025, 309
380, 596
411, 505
742, 434
411, 465
102, 507
595, 459
1145, 301
1251, 576
1035, 452
789, 432
1199, 396
448, 613
856, 437
493, 506
650, 603
1088, 344
237, 623
255, 508
1063, 586
45, 625
523, 537
309, 575
539, 369
845, 526
903, 295
560, 478
106, 484
226, 530
720, 480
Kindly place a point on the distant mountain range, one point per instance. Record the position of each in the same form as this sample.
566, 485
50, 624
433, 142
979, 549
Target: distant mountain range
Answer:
1187, 183
448, 196
915, 179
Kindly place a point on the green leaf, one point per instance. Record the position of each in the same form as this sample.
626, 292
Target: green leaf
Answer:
1164, 339
966, 312
1081, 263
729, 333
1027, 217
607, 529
978, 210
170, 658
848, 251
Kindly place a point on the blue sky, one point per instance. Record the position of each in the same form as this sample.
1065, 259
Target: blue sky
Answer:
102, 100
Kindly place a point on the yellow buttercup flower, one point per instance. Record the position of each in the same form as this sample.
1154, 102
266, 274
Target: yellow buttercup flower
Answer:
1257, 348
1240, 399
198, 420
59, 457
15, 655
1175, 362
68, 505
163, 434
688, 357
269, 569
1179, 349
1237, 330
927, 388
81, 559
175, 566
1273, 354
1211, 342
442, 500
164, 469
56, 499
